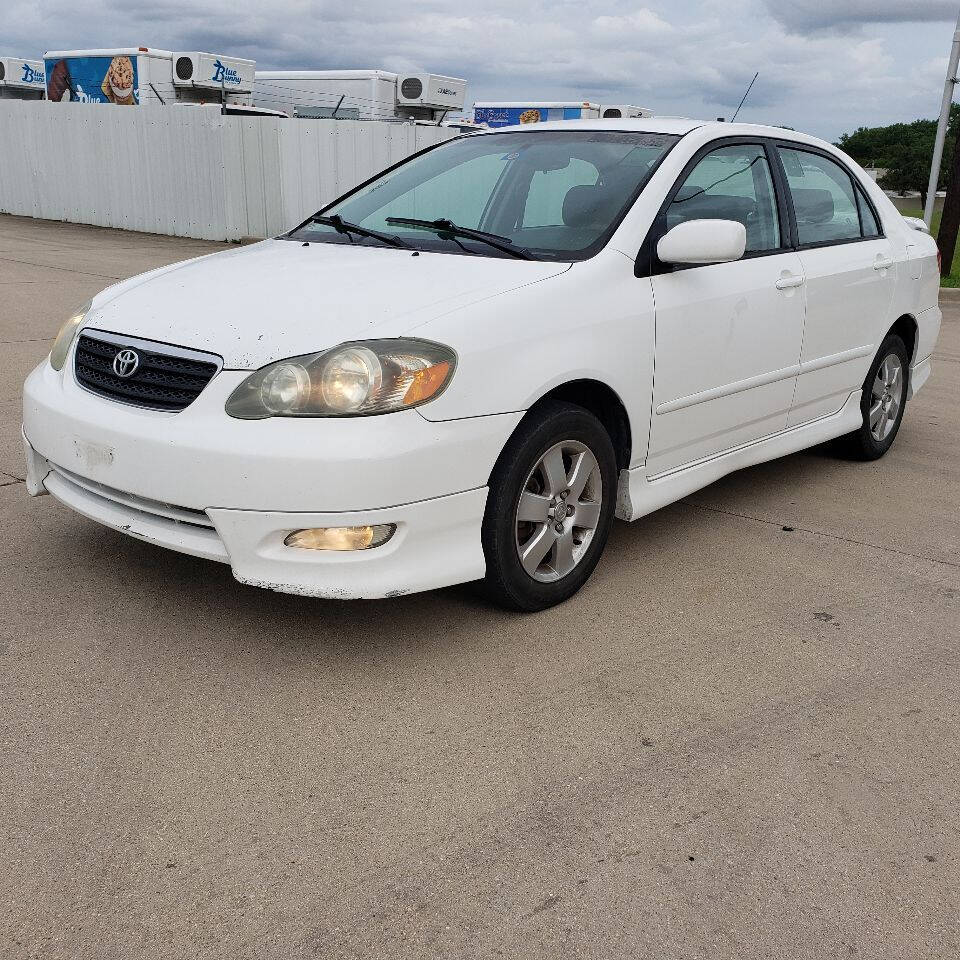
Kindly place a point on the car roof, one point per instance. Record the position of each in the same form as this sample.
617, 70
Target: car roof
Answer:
674, 125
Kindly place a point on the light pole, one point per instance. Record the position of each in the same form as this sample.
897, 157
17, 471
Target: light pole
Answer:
948, 86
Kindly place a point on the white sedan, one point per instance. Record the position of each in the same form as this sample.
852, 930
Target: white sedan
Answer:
466, 367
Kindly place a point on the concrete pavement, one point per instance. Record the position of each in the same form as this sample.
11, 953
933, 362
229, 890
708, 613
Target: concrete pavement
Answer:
740, 740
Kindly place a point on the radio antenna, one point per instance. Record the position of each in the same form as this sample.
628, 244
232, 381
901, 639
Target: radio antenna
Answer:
747, 94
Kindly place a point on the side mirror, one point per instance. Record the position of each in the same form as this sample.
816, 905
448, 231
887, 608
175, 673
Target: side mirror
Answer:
703, 241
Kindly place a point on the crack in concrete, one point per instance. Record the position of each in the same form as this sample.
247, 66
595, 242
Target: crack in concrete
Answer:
47, 266
822, 533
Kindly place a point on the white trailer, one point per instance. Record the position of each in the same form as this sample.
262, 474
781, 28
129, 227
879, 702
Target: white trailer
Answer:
359, 94
505, 113
136, 75
21, 79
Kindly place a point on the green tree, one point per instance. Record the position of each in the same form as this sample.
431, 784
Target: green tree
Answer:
905, 151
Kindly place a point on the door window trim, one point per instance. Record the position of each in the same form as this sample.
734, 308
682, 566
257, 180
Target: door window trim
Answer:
648, 264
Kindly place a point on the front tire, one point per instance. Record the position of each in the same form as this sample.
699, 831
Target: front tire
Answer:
550, 507
883, 402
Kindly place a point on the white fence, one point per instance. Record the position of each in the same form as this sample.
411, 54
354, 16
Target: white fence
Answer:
187, 171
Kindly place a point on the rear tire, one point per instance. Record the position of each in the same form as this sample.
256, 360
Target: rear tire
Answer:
882, 404
550, 508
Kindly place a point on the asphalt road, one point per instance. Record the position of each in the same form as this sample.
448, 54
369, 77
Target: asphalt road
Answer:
740, 740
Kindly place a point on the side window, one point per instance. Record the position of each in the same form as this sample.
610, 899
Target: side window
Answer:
823, 198
549, 189
732, 183
868, 219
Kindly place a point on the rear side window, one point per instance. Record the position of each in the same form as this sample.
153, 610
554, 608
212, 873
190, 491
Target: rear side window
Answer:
824, 200
731, 183
868, 219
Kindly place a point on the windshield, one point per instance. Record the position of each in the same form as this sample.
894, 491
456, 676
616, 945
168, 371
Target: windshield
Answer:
555, 195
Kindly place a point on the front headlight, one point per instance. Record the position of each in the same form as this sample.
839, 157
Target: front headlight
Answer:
352, 380
61, 346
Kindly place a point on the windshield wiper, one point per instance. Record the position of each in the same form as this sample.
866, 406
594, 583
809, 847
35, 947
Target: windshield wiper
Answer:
448, 227
345, 226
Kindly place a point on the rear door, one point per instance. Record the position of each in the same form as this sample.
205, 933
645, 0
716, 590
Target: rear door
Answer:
850, 272
728, 335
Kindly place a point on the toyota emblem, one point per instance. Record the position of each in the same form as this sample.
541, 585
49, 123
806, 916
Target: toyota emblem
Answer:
125, 363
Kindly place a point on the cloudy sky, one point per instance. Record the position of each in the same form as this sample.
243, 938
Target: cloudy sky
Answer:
826, 66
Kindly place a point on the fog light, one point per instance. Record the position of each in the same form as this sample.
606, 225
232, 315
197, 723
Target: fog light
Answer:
341, 538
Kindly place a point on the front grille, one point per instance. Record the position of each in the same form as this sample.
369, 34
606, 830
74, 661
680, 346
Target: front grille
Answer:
164, 377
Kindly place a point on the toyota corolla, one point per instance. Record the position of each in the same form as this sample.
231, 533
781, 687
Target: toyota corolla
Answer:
467, 367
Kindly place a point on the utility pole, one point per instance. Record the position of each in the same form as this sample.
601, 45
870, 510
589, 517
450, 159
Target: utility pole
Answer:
950, 219
948, 86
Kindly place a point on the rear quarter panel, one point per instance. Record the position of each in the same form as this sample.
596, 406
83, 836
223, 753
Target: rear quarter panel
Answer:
917, 290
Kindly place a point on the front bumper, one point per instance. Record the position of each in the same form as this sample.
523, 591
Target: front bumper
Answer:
230, 490
436, 543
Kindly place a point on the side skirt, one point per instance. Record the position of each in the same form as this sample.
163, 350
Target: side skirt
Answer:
638, 495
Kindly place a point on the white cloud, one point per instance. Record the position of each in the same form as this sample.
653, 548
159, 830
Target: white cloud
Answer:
688, 57
642, 22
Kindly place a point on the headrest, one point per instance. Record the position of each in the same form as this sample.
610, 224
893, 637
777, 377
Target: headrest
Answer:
588, 206
812, 205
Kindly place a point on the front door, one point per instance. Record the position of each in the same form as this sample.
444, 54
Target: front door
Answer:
729, 335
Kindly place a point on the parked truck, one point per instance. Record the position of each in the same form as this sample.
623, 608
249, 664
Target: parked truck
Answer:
359, 94
138, 75
21, 79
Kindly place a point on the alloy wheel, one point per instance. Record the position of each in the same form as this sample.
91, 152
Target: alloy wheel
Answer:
886, 398
558, 511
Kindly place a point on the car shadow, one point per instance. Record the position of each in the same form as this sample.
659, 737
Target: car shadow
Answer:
188, 594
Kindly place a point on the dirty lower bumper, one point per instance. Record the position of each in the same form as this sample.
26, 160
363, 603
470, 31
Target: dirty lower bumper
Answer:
436, 543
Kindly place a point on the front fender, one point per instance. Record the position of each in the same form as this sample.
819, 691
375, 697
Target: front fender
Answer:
594, 322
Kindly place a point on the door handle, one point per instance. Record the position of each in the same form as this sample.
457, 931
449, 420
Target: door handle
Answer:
882, 263
786, 283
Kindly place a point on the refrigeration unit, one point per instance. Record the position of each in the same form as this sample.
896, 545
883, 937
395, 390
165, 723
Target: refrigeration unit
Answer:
202, 76
429, 93
21, 79
618, 111
359, 94
138, 75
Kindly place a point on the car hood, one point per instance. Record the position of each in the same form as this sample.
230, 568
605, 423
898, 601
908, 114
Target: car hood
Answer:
280, 298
